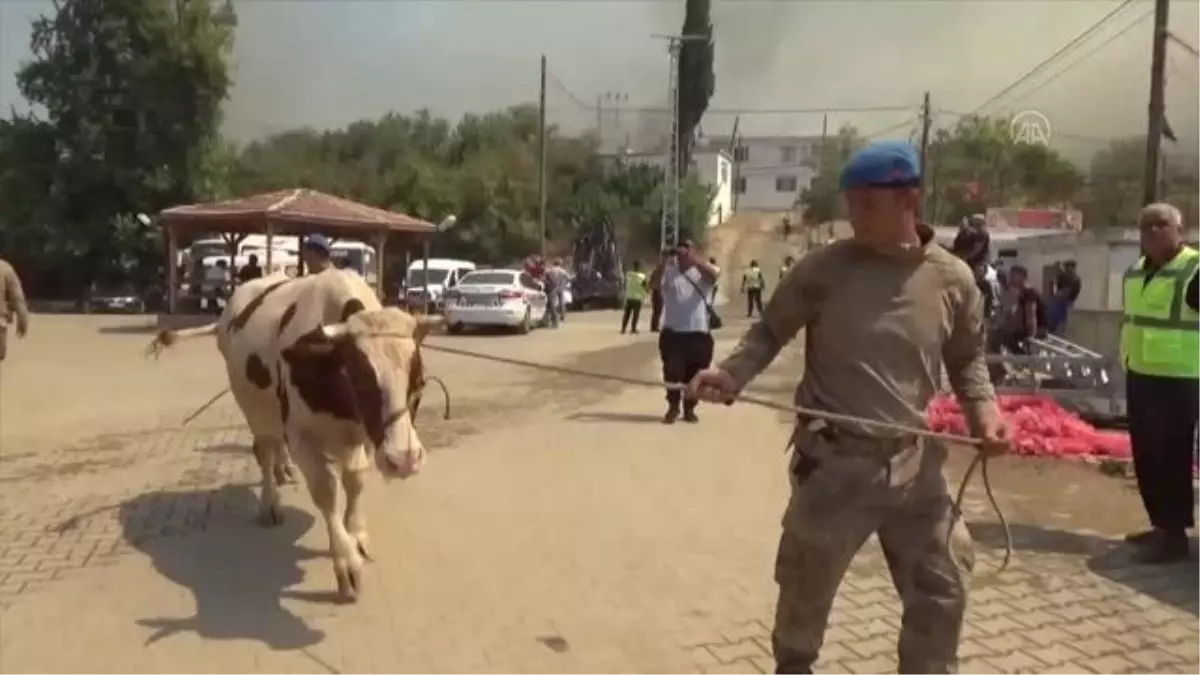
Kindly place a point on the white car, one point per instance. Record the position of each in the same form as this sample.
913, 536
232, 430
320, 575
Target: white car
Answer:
509, 298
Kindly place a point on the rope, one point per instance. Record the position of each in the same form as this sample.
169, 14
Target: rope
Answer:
979, 462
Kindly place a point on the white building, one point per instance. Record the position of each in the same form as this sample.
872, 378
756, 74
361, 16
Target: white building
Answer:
713, 168
771, 171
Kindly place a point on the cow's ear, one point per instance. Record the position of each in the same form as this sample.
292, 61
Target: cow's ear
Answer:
426, 325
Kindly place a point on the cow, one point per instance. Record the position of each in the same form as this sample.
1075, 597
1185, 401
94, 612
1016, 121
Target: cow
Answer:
322, 372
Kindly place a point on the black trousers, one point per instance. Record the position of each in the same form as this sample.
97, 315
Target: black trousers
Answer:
1162, 428
633, 309
655, 310
683, 355
753, 301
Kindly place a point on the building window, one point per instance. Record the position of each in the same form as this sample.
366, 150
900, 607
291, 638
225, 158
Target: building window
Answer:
740, 185
741, 154
787, 154
785, 183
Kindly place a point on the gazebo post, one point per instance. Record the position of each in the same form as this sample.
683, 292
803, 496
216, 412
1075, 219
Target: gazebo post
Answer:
172, 270
270, 243
380, 249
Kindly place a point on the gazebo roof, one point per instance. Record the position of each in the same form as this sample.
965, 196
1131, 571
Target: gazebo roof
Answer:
298, 211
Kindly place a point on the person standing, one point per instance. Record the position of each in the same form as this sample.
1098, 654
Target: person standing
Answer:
876, 309
685, 343
557, 281
635, 294
315, 253
786, 267
753, 285
1160, 346
656, 296
1067, 286
712, 262
251, 270
12, 306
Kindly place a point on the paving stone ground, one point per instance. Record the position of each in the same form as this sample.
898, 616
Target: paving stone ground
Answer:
573, 533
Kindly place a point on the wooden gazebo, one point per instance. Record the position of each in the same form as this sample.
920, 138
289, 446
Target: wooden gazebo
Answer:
297, 212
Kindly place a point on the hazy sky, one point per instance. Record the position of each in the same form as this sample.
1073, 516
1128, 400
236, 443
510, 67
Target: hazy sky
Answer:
323, 63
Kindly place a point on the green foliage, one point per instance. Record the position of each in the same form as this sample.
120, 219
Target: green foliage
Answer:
822, 200
977, 164
131, 93
697, 81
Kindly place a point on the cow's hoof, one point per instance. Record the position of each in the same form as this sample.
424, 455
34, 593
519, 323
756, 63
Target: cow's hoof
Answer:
270, 516
285, 475
349, 581
364, 548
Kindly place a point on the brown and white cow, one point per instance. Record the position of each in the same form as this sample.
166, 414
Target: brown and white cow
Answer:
320, 368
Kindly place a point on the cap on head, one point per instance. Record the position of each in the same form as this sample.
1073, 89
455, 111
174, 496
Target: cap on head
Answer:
882, 164
977, 220
317, 242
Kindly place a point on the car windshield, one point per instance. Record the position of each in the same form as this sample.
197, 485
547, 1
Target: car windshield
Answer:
416, 277
488, 278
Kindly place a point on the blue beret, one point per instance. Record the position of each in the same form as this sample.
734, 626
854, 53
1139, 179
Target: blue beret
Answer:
880, 164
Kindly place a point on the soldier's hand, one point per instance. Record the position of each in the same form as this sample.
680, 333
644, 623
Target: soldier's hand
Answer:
714, 385
996, 437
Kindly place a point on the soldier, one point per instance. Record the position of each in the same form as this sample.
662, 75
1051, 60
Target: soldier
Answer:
874, 307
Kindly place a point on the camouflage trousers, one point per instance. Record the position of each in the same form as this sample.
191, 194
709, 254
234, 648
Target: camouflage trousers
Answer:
844, 489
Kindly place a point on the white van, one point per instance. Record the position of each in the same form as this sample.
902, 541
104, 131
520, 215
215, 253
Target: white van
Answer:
442, 275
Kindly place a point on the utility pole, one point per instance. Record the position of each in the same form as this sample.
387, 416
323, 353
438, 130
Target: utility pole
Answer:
1154, 126
669, 230
734, 144
926, 123
599, 120
542, 158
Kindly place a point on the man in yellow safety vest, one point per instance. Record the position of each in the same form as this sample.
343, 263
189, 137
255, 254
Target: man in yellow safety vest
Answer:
636, 290
1160, 347
753, 285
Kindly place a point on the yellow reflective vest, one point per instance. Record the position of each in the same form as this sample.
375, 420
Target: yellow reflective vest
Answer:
1160, 333
752, 278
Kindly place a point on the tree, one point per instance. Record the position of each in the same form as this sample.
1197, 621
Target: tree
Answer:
978, 164
132, 94
822, 201
697, 82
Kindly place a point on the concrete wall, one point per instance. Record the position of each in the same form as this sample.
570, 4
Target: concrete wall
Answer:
716, 169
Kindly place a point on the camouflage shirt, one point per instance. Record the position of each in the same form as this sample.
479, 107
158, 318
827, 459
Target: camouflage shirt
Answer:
877, 330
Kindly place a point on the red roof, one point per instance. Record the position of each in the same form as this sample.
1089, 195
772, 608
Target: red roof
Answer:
297, 211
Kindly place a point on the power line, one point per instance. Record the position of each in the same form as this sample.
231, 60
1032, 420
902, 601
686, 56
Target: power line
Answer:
579, 101
1064, 134
1056, 55
1090, 54
1182, 43
889, 129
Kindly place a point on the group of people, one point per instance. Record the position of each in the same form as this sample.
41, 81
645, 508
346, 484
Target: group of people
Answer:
1015, 311
556, 282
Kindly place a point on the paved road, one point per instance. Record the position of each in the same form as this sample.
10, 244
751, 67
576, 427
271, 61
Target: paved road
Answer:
557, 527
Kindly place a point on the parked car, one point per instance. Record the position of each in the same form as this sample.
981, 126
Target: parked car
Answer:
503, 297
115, 299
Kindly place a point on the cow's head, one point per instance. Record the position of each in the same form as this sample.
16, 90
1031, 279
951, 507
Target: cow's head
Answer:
368, 368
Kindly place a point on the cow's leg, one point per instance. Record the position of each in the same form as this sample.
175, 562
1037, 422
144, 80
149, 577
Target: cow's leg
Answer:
356, 521
265, 451
284, 469
324, 484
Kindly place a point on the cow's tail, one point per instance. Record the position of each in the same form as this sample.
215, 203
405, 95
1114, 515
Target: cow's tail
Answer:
167, 337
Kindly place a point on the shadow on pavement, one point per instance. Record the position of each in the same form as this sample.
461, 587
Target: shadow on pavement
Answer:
237, 570
1174, 585
639, 418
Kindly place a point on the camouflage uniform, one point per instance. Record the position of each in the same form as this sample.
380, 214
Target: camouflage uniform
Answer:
877, 330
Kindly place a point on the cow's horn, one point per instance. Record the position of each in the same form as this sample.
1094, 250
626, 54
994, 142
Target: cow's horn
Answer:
337, 331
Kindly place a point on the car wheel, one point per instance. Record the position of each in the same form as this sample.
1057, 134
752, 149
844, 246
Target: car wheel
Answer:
526, 324
456, 328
